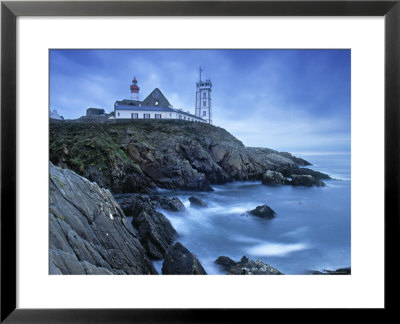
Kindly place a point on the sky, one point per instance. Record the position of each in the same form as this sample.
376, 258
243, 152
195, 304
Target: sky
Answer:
288, 100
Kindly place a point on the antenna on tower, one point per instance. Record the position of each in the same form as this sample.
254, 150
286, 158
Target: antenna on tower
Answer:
201, 69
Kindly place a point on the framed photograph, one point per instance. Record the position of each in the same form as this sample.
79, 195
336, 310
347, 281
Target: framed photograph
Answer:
163, 159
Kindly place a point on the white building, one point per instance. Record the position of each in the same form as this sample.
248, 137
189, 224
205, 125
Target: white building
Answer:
154, 106
203, 98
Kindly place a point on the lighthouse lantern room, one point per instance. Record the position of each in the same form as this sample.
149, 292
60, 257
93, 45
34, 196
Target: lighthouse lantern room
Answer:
134, 90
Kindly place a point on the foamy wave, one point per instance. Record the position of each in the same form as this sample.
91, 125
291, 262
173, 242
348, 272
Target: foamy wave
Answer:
217, 209
158, 189
296, 232
276, 249
245, 239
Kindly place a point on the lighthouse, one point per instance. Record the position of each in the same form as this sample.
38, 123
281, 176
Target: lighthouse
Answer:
134, 90
203, 98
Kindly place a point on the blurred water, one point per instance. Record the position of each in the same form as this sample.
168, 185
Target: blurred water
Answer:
311, 229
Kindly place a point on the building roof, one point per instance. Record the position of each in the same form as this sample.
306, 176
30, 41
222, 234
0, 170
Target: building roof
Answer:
156, 96
187, 114
146, 108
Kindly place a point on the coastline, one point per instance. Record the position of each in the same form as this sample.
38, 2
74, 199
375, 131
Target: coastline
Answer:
227, 170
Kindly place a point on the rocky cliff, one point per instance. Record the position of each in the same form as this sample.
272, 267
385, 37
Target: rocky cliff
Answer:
89, 230
140, 155
89, 233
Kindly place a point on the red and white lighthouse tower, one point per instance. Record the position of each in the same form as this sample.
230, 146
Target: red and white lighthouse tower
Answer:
134, 90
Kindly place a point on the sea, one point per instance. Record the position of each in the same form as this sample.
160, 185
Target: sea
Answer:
311, 230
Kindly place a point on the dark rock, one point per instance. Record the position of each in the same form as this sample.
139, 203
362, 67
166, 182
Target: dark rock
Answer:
155, 230
306, 181
179, 260
225, 262
194, 201
170, 204
270, 159
89, 233
174, 205
273, 178
341, 271
288, 172
345, 271
263, 211
246, 266
295, 159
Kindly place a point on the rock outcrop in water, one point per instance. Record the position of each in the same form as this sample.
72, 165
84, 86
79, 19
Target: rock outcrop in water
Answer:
179, 260
273, 178
340, 271
154, 229
294, 176
289, 172
306, 181
139, 155
166, 203
263, 211
246, 266
89, 233
197, 202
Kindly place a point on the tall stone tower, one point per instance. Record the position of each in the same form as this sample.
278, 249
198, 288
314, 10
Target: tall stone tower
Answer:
203, 98
134, 90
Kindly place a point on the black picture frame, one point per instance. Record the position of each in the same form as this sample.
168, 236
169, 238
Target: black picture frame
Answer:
10, 10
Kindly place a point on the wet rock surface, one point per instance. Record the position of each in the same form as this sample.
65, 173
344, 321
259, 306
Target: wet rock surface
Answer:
306, 181
197, 202
273, 178
170, 204
154, 230
289, 172
179, 260
246, 266
89, 233
263, 211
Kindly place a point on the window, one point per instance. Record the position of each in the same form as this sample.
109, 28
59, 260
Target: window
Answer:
204, 103
156, 103
170, 114
146, 116
157, 116
204, 95
204, 113
134, 115
184, 117
118, 114
180, 116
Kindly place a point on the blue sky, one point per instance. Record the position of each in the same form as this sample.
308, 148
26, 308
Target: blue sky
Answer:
289, 100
